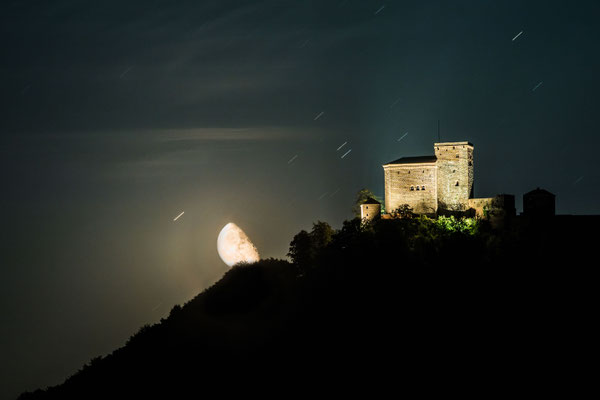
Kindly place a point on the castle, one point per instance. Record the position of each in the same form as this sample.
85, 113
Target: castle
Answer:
442, 182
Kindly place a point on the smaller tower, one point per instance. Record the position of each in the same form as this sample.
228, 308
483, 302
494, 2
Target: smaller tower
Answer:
539, 203
370, 210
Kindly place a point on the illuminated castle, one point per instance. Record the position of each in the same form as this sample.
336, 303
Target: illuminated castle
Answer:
440, 182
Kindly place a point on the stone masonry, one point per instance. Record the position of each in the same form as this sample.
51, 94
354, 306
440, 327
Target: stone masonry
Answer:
430, 183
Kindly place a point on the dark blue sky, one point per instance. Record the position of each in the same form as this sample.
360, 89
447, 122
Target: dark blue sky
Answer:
117, 116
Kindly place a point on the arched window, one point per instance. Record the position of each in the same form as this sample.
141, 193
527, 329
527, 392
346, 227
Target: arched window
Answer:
456, 183
412, 188
417, 188
422, 187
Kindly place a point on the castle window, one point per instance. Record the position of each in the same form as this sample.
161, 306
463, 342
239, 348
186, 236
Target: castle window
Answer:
412, 188
453, 147
422, 187
367, 209
457, 156
456, 183
470, 163
417, 188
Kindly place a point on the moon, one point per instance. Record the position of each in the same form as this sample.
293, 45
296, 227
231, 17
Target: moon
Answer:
234, 246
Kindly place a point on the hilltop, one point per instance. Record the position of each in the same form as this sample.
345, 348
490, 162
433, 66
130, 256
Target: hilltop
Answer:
369, 308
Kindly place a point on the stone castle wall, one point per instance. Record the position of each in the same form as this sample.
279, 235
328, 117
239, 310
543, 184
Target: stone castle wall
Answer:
455, 175
498, 209
480, 206
412, 184
370, 211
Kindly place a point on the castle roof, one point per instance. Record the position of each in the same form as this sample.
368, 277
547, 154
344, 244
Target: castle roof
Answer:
371, 200
539, 192
464, 143
414, 160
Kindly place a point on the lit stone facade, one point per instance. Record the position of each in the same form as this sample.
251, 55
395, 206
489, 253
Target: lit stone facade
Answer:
413, 183
429, 183
370, 210
454, 174
499, 207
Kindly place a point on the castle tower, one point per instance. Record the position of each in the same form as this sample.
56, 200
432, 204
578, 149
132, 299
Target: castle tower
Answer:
370, 209
539, 203
454, 174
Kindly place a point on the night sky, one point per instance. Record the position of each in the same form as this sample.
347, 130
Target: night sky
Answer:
119, 115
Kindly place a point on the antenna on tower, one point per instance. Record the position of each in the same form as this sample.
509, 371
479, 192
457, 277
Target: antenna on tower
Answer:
439, 140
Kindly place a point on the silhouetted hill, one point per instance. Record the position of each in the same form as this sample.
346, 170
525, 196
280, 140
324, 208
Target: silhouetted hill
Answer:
388, 308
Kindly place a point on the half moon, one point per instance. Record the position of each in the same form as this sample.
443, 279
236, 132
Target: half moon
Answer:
234, 246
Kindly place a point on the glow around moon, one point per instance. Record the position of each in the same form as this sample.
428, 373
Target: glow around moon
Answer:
234, 246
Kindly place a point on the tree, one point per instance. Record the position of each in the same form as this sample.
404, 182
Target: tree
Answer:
468, 226
301, 248
403, 211
321, 234
306, 246
361, 197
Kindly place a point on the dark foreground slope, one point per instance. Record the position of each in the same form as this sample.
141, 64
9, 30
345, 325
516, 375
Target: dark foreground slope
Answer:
400, 305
